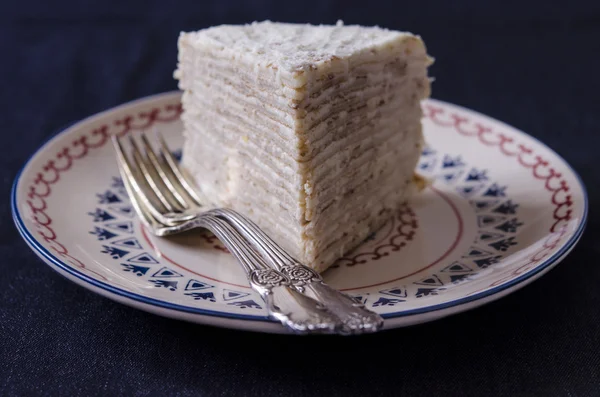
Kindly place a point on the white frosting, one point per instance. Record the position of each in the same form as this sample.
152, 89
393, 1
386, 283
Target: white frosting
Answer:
294, 47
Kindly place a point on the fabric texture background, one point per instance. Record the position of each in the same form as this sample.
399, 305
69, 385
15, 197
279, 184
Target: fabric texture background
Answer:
531, 64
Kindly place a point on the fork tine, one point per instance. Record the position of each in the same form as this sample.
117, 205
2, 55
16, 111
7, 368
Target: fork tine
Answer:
177, 176
138, 206
161, 174
140, 190
153, 180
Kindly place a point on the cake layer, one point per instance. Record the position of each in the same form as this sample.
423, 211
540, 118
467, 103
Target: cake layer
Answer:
352, 155
340, 126
367, 161
320, 91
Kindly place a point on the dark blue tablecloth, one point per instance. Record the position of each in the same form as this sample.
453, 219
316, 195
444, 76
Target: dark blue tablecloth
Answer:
533, 64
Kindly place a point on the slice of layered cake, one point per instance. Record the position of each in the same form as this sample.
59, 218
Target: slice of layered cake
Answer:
313, 132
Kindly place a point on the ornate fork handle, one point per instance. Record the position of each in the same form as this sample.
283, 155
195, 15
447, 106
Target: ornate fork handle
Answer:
298, 312
355, 316
289, 306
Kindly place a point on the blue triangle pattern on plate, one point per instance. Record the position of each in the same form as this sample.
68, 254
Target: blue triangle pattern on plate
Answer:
166, 273
482, 205
126, 227
229, 295
194, 285
477, 175
387, 302
108, 197
495, 191
422, 292
456, 267
457, 278
475, 252
170, 285
101, 216
428, 151
450, 162
510, 226
103, 234
503, 245
145, 258
360, 298
507, 208
249, 304
125, 210
451, 177
117, 182
114, 252
177, 154
489, 220
397, 292
486, 262
432, 280
129, 242
469, 191
488, 236
428, 165
207, 296
137, 270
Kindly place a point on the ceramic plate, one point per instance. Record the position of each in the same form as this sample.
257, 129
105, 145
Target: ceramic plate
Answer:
503, 210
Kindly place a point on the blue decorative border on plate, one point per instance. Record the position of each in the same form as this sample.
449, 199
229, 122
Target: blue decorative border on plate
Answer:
17, 218
497, 223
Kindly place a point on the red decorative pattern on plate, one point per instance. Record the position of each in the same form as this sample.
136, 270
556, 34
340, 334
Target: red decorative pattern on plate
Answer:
50, 173
404, 227
540, 168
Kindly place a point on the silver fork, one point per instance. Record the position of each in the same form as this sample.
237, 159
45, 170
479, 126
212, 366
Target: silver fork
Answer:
161, 175
296, 311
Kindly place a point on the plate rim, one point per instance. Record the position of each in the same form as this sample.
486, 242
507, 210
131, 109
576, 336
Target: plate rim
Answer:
44, 253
